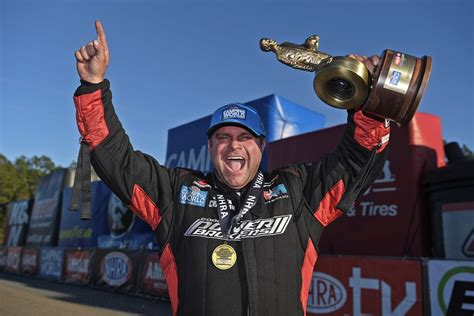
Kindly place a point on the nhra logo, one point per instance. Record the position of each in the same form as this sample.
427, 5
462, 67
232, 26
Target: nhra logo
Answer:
193, 196
326, 294
211, 228
234, 113
116, 269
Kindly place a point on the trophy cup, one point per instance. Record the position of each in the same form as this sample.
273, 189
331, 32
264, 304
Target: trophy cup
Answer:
394, 91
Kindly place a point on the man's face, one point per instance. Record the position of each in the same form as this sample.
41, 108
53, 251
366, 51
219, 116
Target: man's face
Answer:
236, 155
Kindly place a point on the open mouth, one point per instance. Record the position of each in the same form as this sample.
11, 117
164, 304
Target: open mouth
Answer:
235, 163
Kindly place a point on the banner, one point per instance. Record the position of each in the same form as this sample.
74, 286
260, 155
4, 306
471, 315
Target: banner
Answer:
152, 280
391, 218
125, 229
43, 229
117, 270
12, 263
51, 263
77, 233
18, 218
451, 287
29, 261
366, 286
79, 266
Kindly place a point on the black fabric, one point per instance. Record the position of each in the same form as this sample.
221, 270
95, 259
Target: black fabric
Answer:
81, 192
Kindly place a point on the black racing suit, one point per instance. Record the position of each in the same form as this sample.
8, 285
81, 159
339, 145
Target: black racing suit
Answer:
276, 243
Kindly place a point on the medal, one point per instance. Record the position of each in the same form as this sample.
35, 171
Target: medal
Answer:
224, 257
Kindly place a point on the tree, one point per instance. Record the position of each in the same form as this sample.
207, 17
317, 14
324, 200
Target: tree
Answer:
18, 180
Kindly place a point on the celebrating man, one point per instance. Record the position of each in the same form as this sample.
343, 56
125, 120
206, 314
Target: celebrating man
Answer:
237, 241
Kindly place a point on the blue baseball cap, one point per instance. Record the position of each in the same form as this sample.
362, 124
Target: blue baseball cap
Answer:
237, 114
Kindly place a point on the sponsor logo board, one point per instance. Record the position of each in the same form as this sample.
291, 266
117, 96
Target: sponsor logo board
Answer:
51, 263
451, 287
153, 279
116, 269
78, 266
365, 286
29, 260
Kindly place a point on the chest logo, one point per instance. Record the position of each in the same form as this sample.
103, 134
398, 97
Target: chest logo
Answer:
265, 227
275, 193
193, 196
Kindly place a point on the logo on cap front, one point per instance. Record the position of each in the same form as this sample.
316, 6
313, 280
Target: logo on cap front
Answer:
234, 113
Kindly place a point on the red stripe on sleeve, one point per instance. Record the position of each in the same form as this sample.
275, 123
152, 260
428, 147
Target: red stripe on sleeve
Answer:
91, 118
327, 211
369, 132
309, 261
144, 207
170, 272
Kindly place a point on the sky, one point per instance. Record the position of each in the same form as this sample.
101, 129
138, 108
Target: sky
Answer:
173, 62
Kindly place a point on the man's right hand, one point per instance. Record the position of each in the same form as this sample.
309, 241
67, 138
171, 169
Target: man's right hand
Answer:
93, 58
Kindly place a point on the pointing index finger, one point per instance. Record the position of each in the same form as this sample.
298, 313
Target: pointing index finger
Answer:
100, 33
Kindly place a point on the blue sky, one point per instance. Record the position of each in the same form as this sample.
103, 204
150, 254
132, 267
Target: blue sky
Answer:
176, 61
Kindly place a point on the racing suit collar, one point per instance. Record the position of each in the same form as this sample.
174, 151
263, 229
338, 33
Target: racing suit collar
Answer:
237, 198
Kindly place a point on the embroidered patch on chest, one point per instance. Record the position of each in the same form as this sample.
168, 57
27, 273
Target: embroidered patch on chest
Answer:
265, 227
192, 195
276, 193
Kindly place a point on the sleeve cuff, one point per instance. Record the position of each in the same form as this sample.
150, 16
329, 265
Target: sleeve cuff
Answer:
88, 87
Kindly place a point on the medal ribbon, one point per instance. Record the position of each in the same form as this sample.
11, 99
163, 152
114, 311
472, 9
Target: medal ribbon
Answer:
224, 206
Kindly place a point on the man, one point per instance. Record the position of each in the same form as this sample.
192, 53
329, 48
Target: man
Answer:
236, 241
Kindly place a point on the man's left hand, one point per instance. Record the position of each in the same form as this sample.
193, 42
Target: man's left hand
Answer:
369, 62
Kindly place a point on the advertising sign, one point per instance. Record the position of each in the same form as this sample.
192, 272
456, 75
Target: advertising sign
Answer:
458, 230
125, 229
78, 266
366, 286
12, 264
18, 218
451, 287
74, 232
51, 263
43, 229
152, 278
391, 217
117, 270
29, 261
187, 144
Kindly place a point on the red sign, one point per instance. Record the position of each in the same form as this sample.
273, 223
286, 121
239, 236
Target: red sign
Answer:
366, 286
29, 261
78, 266
153, 281
392, 217
13, 259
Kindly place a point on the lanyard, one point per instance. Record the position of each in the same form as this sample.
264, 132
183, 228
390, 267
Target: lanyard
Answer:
224, 206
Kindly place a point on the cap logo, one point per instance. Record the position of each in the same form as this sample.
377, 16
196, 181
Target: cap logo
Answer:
234, 113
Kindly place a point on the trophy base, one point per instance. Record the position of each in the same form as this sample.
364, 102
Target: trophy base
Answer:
343, 83
399, 83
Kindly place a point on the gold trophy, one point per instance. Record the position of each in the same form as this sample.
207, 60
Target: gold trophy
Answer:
394, 91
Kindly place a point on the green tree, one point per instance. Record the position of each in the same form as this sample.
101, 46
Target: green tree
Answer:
18, 180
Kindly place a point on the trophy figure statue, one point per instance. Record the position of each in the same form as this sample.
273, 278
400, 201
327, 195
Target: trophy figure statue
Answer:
393, 92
